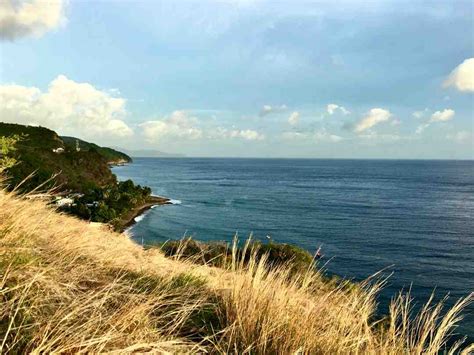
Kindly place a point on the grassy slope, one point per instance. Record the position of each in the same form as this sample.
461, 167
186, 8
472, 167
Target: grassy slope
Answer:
67, 286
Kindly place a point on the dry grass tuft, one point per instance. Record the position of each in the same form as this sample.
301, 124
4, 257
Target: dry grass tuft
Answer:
68, 287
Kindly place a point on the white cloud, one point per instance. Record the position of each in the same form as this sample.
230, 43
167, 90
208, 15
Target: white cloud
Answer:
462, 77
29, 18
376, 137
246, 134
344, 111
177, 125
268, 109
331, 109
323, 136
420, 114
438, 116
442, 116
421, 128
372, 118
294, 118
68, 107
320, 135
461, 137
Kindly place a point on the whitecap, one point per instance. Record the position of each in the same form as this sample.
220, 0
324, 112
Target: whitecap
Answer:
139, 218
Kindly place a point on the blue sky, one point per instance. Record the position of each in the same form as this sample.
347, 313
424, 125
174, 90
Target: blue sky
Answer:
354, 79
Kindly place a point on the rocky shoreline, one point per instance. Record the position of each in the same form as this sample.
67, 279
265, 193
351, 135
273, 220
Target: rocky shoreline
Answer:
129, 218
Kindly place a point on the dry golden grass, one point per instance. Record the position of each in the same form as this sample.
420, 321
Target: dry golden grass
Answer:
68, 287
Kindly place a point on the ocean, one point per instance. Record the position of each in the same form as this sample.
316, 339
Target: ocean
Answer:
413, 218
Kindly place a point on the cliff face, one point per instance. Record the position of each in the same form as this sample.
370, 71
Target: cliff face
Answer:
42, 152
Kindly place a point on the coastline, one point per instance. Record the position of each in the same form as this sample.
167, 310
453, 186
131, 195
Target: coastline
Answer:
129, 218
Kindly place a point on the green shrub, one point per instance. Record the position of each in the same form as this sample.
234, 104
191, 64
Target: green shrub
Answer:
7, 147
280, 254
219, 253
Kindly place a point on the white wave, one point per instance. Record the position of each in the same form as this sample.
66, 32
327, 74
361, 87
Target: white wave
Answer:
175, 202
139, 218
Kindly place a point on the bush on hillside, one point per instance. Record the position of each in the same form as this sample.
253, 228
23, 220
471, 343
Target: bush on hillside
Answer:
7, 148
220, 254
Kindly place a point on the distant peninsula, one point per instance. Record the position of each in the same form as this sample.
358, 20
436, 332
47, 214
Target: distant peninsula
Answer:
149, 153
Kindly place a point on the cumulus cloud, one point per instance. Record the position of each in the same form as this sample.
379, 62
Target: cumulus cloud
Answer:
371, 119
332, 108
438, 116
442, 116
29, 18
294, 118
68, 107
177, 125
268, 109
462, 77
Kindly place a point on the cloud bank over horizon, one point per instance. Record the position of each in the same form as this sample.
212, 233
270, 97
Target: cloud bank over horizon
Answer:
244, 78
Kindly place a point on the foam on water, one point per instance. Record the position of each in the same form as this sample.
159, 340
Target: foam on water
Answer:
139, 218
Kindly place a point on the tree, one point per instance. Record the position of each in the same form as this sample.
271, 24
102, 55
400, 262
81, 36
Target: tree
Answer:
7, 146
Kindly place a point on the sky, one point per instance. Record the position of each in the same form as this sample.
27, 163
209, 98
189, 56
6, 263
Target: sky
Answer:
245, 78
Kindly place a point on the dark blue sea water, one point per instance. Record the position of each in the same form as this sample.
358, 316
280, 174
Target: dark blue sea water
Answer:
415, 217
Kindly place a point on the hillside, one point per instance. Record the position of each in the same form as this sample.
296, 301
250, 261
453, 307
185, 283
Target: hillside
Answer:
42, 157
68, 287
111, 155
77, 171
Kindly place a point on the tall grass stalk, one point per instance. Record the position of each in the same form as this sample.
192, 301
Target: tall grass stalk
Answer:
67, 286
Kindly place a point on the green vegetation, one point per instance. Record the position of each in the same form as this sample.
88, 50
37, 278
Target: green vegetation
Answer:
7, 147
72, 170
111, 155
219, 254
109, 203
37, 156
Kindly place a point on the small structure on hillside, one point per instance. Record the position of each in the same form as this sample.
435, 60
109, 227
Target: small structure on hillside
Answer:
78, 149
64, 201
58, 150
